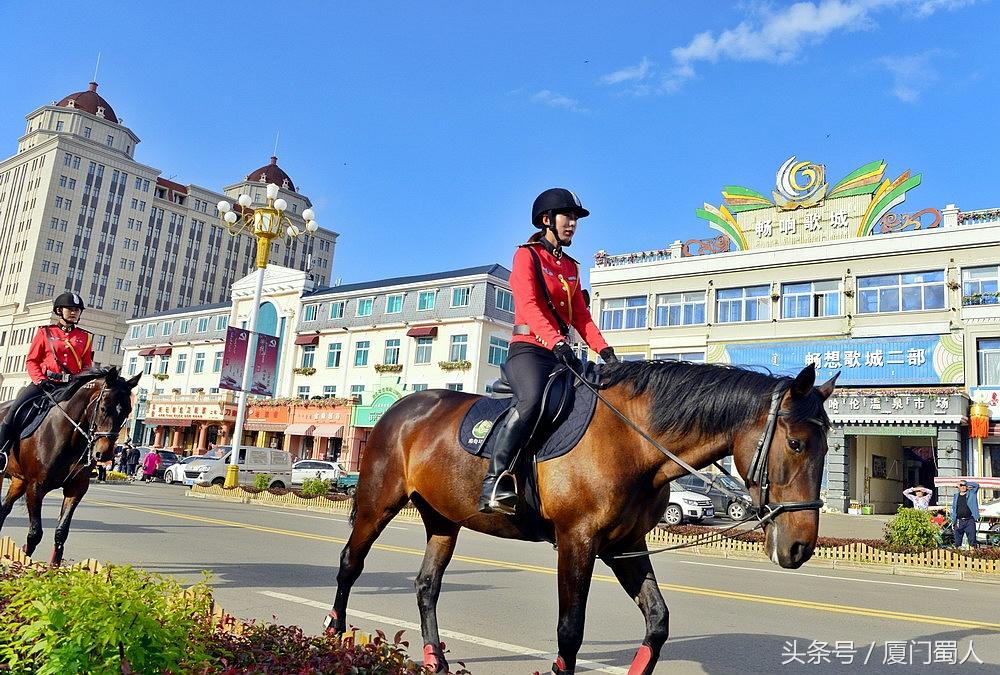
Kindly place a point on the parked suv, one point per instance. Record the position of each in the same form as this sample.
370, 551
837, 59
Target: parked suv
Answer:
734, 508
684, 504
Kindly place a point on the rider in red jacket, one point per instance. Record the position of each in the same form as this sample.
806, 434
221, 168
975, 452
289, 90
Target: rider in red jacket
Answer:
57, 352
542, 319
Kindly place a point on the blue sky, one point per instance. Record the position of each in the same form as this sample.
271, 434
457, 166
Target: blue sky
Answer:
423, 131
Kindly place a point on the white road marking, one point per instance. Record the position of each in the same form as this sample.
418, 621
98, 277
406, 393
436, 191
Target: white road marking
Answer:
817, 576
464, 637
120, 492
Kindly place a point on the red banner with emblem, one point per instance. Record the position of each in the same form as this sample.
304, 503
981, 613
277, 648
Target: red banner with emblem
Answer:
265, 365
234, 358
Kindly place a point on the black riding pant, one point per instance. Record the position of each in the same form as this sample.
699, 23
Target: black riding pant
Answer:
528, 368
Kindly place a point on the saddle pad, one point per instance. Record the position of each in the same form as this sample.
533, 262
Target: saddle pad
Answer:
483, 414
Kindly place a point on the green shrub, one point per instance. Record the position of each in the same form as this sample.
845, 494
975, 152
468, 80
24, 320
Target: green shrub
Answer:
315, 487
262, 480
56, 621
911, 527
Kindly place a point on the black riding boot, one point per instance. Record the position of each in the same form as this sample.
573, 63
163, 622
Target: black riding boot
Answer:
5, 441
508, 440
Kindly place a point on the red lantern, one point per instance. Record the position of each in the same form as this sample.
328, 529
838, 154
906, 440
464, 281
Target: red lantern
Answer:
979, 420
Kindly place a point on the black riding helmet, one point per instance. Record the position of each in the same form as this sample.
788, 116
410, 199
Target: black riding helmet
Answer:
556, 200
68, 300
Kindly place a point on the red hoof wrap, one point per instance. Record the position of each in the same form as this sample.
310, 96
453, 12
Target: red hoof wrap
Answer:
559, 667
642, 661
431, 662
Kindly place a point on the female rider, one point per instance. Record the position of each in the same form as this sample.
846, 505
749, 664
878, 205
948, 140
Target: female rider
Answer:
548, 300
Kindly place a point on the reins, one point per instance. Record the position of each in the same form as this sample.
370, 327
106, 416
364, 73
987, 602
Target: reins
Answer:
91, 435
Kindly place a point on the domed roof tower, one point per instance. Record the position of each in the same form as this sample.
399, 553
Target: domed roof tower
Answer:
90, 101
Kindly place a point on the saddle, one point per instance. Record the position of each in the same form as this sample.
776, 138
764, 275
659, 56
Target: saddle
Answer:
32, 412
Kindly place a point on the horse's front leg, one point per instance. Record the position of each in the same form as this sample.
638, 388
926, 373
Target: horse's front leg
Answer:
14, 492
576, 567
72, 495
33, 499
637, 578
441, 539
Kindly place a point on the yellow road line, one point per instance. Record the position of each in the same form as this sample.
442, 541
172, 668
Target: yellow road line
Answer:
525, 567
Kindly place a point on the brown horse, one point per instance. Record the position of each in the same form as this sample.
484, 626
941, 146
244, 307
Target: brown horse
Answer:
65, 448
600, 499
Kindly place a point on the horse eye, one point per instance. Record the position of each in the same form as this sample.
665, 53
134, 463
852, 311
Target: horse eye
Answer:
795, 444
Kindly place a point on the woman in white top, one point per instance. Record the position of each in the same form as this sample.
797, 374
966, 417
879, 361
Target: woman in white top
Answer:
920, 496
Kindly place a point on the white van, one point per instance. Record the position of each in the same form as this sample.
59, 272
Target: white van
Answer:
252, 462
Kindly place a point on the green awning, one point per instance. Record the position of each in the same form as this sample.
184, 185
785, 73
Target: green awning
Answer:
889, 430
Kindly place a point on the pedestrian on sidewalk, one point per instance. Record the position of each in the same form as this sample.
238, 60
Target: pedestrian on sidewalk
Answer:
920, 496
149, 466
965, 512
133, 462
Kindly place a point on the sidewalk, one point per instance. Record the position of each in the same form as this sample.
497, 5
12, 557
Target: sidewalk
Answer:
858, 527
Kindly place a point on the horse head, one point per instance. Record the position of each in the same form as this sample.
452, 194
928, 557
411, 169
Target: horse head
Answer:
783, 466
108, 404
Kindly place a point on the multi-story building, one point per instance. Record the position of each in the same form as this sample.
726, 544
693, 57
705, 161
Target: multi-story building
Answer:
79, 213
360, 346
904, 306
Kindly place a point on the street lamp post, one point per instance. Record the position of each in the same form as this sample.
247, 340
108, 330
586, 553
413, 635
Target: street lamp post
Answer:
266, 223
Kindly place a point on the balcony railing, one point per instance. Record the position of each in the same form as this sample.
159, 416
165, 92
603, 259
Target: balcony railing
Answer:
977, 217
602, 259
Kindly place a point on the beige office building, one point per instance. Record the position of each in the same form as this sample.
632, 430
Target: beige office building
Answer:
903, 305
79, 213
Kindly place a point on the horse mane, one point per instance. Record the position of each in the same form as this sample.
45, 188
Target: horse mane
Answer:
706, 399
85, 377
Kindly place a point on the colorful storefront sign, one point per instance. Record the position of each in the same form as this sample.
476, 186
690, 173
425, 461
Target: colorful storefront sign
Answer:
908, 360
368, 415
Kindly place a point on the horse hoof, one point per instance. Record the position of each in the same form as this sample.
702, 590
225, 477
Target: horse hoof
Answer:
330, 623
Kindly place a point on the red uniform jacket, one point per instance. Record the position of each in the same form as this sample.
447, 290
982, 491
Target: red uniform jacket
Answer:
562, 278
73, 350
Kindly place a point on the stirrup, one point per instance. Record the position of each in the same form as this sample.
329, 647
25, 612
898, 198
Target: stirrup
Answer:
507, 505
3, 461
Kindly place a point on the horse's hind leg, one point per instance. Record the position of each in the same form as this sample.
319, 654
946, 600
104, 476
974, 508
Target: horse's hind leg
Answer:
637, 578
33, 499
14, 492
376, 504
576, 568
71, 499
442, 535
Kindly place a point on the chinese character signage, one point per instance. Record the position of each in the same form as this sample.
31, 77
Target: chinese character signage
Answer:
368, 415
265, 365
919, 359
990, 396
234, 358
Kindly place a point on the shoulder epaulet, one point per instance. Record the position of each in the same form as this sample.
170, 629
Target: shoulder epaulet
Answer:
529, 244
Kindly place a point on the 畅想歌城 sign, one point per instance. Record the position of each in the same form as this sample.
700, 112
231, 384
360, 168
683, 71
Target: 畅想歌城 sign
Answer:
909, 360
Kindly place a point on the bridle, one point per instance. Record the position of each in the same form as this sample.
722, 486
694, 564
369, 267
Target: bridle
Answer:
757, 474
87, 458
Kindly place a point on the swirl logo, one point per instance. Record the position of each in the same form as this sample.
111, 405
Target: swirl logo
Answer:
799, 185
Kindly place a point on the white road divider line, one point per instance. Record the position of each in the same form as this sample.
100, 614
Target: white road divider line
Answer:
299, 514
464, 637
118, 491
818, 576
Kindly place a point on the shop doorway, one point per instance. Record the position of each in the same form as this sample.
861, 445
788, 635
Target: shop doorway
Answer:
921, 468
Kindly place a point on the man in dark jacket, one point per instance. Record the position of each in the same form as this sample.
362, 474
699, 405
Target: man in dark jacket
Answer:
965, 512
133, 461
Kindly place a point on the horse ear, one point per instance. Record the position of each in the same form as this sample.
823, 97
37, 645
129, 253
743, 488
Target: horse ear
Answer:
804, 382
827, 387
131, 382
112, 374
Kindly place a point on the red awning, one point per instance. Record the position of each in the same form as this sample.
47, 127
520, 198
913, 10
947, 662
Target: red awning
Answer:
299, 430
149, 351
162, 351
422, 331
306, 339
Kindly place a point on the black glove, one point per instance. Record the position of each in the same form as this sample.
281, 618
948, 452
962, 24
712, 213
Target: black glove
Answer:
608, 355
48, 386
566, 355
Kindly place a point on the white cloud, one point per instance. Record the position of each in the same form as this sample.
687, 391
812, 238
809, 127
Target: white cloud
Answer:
775, 35
911, 74
638, 72
556, 100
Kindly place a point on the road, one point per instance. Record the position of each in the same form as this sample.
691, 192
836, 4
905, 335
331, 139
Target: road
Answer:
498, 604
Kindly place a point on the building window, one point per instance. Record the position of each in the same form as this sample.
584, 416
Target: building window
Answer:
459, 348
394, 304
329, 390
199, 362
693, 357
418, 387
460, 296
680, 309
203, 324
743, 304
308, 356
361, 353
310, 312
147, 366
989, 361
221, 322
901, 292
337, 310
454, 386
423, 353
810, 300
150, 330
182, 360
185, 326
59, 125
505, 300
99, 341
167, 327
333, 355
357, 390
980, 285
425, 300
391, 351
217, 362
86, 132
134, 333
498, 350
302, 391
110, 140
619, 313
133, 365
365, 306
164, 363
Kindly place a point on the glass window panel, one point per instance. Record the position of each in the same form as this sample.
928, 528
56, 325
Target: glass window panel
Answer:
888, 300
934, 296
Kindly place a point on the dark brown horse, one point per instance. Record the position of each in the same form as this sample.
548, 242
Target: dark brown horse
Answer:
602, 498
64, 449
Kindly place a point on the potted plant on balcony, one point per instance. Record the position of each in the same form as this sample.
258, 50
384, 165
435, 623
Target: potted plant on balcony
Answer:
388, 367
160, 376
304, 371
455, 365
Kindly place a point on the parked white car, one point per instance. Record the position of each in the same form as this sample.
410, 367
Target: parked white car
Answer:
687, 505
315, 468
175, 472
